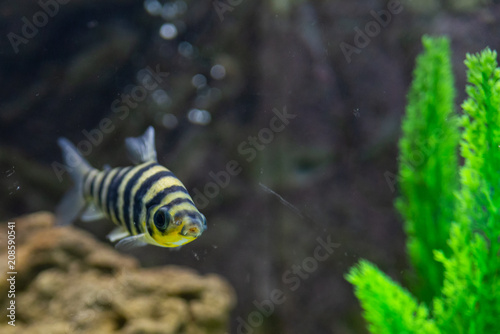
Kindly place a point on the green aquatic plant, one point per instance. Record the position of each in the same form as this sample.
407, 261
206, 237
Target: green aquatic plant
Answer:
428, 176
470, 301
457, 285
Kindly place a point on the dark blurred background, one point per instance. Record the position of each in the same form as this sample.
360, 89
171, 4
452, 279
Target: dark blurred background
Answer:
78, 69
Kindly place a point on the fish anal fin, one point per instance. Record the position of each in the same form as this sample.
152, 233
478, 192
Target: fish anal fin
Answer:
92, 213
131, 242
117, 234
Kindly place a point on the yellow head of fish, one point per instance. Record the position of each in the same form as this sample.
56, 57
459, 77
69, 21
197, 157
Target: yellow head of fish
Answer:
175, 230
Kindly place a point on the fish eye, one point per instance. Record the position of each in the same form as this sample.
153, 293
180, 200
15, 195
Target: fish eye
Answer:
162, 219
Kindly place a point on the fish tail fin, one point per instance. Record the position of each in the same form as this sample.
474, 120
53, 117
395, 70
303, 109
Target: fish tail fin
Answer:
73, 201
77, 166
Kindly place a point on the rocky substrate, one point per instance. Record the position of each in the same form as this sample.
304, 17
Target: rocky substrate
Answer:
68, 282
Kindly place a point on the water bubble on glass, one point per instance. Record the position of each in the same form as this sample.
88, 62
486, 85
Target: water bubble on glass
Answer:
168, 31
142, 76
169, 121
10, 172
153, 7
160, 97
218, 72
185, 49
199, 81
15, 187
199, 116
169, 11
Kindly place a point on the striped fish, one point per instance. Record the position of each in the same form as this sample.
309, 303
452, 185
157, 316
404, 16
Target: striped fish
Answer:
147, 202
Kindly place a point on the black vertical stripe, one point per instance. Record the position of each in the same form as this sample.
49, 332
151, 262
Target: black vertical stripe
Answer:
86, 179
107, 207
91, 190
112, 196
107, 173
126, 193
191, 214
141, 192
160, 196
95, 185
173, 203
178, 201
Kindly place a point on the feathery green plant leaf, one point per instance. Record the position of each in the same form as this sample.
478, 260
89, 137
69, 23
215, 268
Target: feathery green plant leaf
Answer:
471, 292
388, 307
428, 175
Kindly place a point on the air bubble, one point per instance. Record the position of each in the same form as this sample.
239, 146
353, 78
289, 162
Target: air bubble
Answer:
169, 11
168, 31
199, 81
153, 7
161, 97
185, 49
199, 116
169, 121
218, 72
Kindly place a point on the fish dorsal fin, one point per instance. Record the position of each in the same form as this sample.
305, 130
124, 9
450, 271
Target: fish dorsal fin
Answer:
131, 242
142, 149
92, 213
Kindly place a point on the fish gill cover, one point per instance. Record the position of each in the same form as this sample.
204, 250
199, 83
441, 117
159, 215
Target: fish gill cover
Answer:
451, 213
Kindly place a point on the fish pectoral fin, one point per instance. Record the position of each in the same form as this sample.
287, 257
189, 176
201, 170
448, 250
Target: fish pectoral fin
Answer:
92, 213
142, 149
117, 234
131, 242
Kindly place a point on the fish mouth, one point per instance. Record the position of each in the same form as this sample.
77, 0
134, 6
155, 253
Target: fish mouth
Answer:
193, 230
